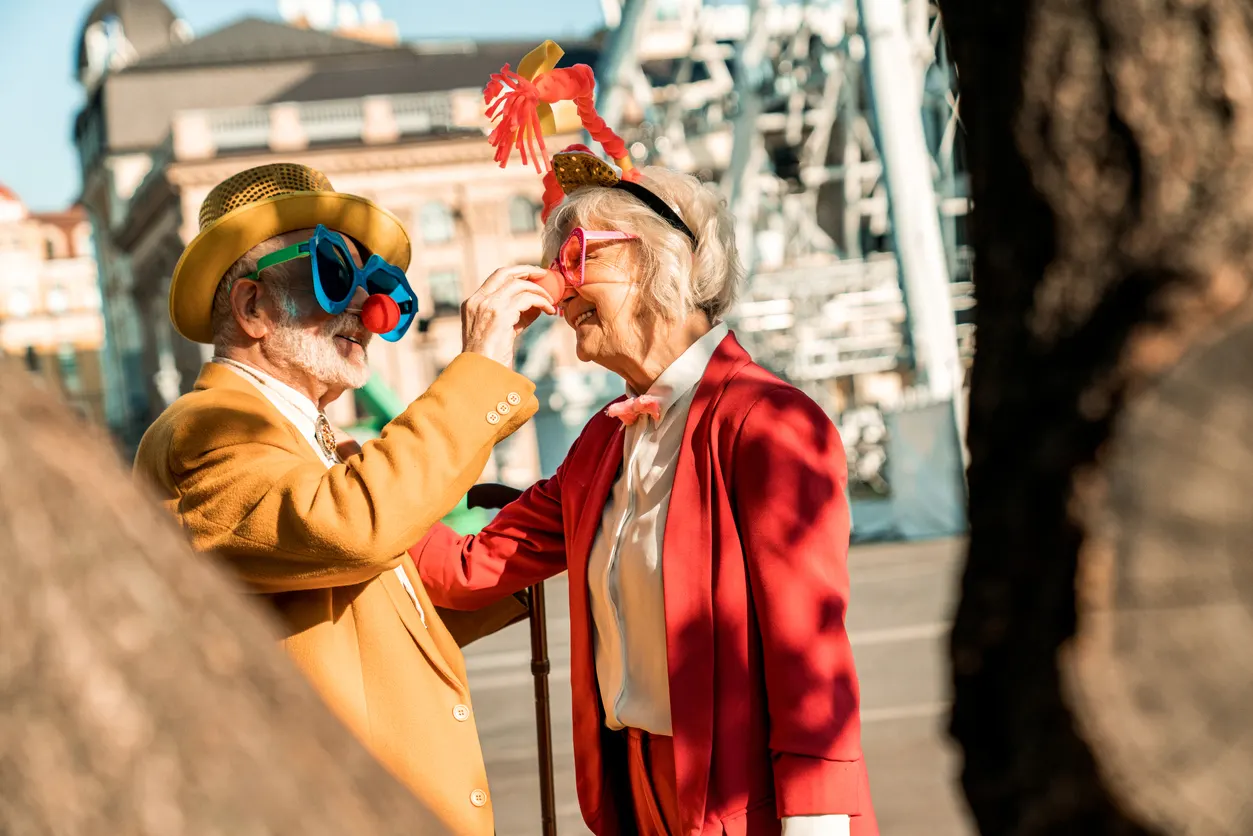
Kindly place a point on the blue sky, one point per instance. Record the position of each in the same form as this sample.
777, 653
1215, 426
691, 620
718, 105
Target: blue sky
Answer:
39, 41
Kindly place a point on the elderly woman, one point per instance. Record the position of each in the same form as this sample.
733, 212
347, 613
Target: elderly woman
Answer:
702, 519
704, 525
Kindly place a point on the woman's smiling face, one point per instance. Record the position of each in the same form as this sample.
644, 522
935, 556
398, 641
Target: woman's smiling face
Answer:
605, 310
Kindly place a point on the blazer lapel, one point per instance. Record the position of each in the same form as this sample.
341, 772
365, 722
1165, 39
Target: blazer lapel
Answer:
687, 575
589, 498
421, 635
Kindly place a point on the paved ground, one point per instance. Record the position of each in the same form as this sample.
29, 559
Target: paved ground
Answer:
902, 600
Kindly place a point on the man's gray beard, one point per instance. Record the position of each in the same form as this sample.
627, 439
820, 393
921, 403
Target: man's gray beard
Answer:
316, 354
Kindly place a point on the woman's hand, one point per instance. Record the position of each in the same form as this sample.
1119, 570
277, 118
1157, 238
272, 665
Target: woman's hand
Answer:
345, 445
495, 314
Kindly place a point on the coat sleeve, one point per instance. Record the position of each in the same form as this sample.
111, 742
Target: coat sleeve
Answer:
285, 522
789, 484
524, 544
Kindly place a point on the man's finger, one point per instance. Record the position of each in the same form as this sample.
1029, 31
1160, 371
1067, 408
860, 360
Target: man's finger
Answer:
520, 296
532, 297
505, 275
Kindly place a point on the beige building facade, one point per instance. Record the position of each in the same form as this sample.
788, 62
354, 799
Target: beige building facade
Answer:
400, 124
50, 317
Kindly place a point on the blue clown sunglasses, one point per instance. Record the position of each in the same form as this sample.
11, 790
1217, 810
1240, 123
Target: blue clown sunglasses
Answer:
389, 309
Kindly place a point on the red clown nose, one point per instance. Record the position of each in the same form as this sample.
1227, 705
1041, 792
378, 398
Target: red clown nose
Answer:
553, 283
380, 313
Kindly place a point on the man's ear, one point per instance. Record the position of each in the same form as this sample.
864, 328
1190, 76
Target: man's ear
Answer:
247, 309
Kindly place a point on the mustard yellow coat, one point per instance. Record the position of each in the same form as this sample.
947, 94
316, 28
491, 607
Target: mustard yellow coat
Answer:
319, 545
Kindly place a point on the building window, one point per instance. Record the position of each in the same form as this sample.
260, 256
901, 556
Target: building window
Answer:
67, 361
521, 216
84, 242
57, 301
445, 288
666, 10
436, 223
19, 304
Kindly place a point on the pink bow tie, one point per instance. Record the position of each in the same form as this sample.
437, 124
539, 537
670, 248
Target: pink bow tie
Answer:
631, 409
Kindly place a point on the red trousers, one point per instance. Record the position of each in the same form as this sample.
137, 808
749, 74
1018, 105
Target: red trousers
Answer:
654, 789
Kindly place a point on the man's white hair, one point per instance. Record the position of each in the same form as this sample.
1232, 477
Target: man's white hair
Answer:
278, 283
674, 282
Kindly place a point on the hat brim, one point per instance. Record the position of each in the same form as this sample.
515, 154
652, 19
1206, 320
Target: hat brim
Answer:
220, 245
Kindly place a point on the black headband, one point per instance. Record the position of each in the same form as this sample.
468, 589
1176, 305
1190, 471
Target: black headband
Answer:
657, 205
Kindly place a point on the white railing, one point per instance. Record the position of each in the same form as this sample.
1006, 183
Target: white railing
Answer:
239, 127
422, 112
294, 125
333, 121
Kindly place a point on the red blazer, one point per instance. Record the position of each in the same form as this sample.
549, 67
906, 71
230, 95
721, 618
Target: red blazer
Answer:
764, 695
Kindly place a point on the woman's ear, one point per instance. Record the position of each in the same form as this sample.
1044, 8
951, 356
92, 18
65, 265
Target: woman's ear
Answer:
247, 309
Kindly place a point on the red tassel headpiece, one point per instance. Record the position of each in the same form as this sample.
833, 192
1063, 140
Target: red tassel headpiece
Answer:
523, 102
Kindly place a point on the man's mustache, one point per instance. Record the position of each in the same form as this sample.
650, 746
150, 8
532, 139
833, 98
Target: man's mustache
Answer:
348, 325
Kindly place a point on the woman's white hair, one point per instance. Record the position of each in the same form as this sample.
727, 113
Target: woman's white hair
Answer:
674, 282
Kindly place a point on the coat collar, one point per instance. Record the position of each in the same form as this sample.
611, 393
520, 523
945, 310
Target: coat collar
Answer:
272, 385
216, 376
220, 377
686, 372
727, 359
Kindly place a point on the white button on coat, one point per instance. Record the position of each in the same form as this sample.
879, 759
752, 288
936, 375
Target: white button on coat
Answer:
461, 713
502, 408
514, 398
478, 798
493, 418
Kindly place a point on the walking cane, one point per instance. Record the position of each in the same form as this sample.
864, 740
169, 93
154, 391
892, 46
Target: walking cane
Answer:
498, 496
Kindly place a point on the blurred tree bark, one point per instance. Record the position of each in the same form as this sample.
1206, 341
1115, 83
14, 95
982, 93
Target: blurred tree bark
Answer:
1111, 147
140, 693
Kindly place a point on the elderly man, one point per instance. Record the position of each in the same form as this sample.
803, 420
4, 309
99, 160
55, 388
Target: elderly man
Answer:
289, 280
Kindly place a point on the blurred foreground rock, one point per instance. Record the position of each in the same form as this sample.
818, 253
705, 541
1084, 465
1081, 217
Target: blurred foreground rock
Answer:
140, 692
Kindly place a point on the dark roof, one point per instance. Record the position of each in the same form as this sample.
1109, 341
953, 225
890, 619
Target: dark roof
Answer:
416, 69
253, 40
147, 24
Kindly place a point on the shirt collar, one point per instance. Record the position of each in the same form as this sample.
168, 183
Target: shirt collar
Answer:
296, 399
681, 376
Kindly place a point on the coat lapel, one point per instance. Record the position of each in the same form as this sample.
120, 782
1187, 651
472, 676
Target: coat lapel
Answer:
589, 498
687, 575
421, 635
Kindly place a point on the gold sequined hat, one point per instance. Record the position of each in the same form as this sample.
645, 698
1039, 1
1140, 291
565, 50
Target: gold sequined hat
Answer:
256, 205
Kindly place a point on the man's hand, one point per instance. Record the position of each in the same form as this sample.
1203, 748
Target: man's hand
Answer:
500, 310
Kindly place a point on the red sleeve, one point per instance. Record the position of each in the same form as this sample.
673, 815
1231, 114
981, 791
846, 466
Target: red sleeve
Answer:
790, 478
522, 546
